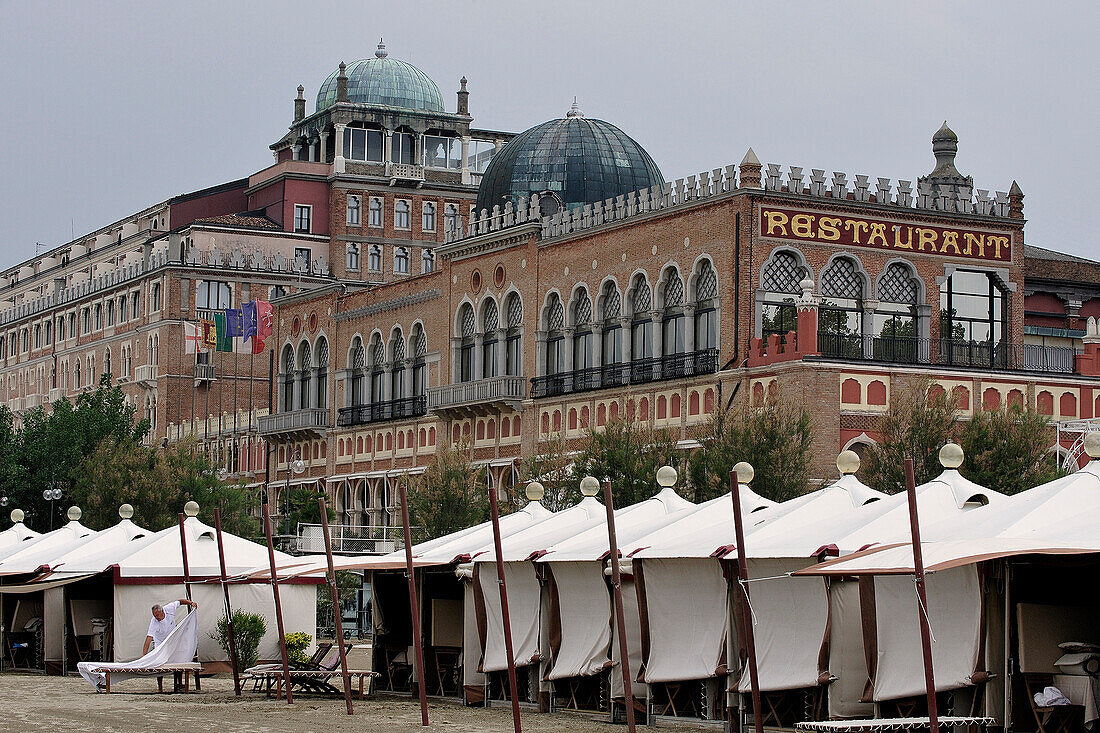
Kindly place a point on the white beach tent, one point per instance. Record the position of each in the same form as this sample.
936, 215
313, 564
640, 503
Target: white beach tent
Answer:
36, 552
582, 632
14, 537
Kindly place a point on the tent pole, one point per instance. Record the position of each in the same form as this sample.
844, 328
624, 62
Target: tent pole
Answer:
186, 572
414, 605
278, 603
746, 616
513, 693
620, 616
228, 607
922, 612
337, 616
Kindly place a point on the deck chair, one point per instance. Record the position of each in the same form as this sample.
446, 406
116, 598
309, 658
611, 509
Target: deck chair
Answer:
1048, 718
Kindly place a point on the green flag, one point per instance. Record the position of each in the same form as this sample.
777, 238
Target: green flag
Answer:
225, 342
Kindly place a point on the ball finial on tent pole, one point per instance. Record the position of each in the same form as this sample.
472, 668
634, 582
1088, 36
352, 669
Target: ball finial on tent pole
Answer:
666, 476
191, 509
590, 486
17, 516
951, 455
745, 472
126, 511
1092, 444
535, 491
74, 514
847, 462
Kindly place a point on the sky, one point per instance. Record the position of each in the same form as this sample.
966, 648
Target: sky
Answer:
110, 107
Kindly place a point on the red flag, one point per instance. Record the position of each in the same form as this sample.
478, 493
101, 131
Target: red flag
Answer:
265, 319
209, 333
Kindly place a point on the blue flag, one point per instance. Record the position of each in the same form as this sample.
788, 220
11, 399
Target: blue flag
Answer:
234, 323
248, 319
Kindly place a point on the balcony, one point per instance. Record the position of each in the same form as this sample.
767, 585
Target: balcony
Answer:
204, 373
349, 539
949, 352
312, 420
638, 371
146, 375
56, 393
479, 397
405, 173
381, 411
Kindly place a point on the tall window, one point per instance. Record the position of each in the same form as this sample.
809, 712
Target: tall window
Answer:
779, 283
38, 336
419, 347
107, 361
397, 372
361, 144
479, 155
302, 257
375, 212
427, 221
840, 318
706, 314
374, 258
672, 320
612, 346
321, 392
554, 320
582, 334
442, 152
641, 325
302, 216
401, 260
212, 294
377, 370
111, 312
402, 148
353, 257
973, 317
155, 298
513, 337
49, 332
466, 347
123, 309
288, 379
895, 320
450, 218
427, 260
98, 317
489, 326
305, 372
356, 365
355, 210
135, 304
401, 214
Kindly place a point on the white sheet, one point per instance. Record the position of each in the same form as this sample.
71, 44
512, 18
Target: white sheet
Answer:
954, 612
524, 605
686, 600
585, 608
178, 647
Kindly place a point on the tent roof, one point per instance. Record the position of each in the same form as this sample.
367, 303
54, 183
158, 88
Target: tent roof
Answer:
40, 550
631, 523
13, 538
538, 537
103, 550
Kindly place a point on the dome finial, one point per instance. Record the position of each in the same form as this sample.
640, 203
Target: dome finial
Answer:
574, 111
381, 51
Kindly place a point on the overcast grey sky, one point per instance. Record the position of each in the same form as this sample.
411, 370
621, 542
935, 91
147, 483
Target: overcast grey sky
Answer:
109, 107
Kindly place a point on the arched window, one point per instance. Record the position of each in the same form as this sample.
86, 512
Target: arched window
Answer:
554, 323
840, 317
123, 309
611, 351
38, 336
466, 325
401, 260
641, 303
490, 346
288, 378
356, 364
450, 217
582, 333
322, 373
377, 370
305, 371
49, 332
76, 374
895, 321
397, 372
513, 339
355, 208
428, 219
375, 212
706, 310
973, 317
427, 260
419, 346
779, 283
401, 214
672, 319
107, 362
374, 258
353, 257
98, 316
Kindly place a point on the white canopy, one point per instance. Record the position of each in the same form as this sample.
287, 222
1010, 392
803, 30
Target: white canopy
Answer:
39, 551
14, 538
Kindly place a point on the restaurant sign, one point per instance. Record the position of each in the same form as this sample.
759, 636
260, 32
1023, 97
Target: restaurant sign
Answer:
863, 231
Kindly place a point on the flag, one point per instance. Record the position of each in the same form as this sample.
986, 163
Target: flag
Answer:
248, 319
223, 342
234, 322
265, 319
192, 338
209, 334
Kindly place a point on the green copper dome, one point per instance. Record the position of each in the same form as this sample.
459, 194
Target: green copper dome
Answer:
385, 82
578, 159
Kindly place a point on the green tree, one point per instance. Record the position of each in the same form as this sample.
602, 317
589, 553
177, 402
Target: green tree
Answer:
553, 468
629, 455
775, 438
916, 426
450, 495
1008, 450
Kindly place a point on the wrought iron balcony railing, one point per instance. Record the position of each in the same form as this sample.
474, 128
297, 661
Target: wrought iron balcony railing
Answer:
379, 411
638, 371
949, 352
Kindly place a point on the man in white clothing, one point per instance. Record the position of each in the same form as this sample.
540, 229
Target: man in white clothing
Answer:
162, 623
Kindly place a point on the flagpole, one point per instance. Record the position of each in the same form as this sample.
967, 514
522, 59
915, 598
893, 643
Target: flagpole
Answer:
179, 379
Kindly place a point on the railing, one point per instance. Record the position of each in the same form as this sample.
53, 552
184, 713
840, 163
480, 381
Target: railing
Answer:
311, 418
351, 539
405, 171
56, 393
949, 352
482, 390
379, 411
147, 373
207, 372
638, 371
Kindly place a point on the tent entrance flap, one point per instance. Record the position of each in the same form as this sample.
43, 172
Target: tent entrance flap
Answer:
686, 604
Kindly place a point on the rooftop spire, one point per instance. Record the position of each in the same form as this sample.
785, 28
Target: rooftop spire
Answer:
945, 178
574, 111
381, 51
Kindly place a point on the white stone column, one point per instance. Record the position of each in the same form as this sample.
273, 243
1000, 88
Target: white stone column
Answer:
387, 146
689, 328
465, 163
296, 149
324, 146
338, 162
502, 351
479, 356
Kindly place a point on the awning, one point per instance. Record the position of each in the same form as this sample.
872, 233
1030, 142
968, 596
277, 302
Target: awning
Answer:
33, 587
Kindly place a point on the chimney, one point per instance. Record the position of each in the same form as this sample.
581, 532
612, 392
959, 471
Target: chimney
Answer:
300, 104
1016, 201
749, 173
342, 84
463, 98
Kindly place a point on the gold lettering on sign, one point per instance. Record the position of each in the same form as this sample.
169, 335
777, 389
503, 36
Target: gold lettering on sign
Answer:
827, 228
878, 234
776, 220
801, 225
969, 240
926, 239
853, 226
950, 239
997, 243
908, 243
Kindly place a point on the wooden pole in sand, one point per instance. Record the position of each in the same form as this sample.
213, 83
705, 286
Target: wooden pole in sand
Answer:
278, 603
337, 618
620, 616
414, 604
922, 615
513, 693
746, 614
228, 606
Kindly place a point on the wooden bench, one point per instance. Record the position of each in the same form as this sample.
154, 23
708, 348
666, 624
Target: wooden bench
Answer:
185, 669
873, 725
310, 680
